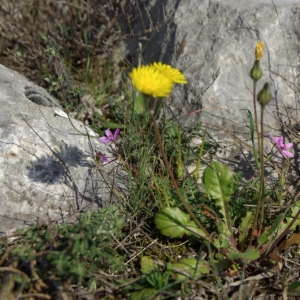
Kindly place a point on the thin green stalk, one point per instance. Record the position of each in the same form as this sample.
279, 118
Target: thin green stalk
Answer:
179, 156
162, 190
262, 168
197, 170
282, 181
255, 117
188, 209
260, 200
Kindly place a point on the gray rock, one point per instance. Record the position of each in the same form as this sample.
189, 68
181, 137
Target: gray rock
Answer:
222, 35
48, 169
39, 96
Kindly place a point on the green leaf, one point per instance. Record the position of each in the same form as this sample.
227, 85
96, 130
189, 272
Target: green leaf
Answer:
244, 229
218, 181
294, 210
112, 125
294, 287
249, 254
172, 222
252, 137
147, 264
267, 236
192, 266
143, 294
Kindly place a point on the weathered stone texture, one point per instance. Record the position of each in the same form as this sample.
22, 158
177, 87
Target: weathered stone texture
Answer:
49, 173
223, 34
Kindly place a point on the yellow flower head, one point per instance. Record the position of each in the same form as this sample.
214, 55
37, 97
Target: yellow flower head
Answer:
259, 50
172, 73
150, 81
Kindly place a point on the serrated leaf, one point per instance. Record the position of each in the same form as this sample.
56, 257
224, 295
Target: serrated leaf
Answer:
172, 222
249, 254
147, 264
192, 266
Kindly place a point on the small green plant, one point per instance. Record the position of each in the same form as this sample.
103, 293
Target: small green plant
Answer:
74, 252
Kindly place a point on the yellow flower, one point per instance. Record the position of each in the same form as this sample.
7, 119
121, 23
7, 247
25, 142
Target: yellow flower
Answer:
175, 75
259, 50
150, 81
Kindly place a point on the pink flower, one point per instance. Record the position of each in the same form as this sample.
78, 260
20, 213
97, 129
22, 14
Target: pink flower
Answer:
101, 156
104, 159
109, 138
278, 143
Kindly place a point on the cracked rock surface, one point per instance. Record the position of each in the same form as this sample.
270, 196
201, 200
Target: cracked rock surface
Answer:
48, 169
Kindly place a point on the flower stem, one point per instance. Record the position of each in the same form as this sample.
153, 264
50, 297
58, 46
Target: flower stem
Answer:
282, 180
262, 168
188, 209
179, 156
256, 121
260, 198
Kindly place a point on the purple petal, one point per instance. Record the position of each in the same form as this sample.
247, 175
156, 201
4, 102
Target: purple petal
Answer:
288, 145
280, 142
104, 140
287, 154
108, 133
104, 159
275, 140
116, 133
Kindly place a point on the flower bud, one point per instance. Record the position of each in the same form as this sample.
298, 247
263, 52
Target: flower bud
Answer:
256, 72
264, 96
259, 50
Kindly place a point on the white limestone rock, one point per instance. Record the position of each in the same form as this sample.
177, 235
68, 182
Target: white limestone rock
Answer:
48, 174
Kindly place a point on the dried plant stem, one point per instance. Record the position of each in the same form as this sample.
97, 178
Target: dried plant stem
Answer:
188, 209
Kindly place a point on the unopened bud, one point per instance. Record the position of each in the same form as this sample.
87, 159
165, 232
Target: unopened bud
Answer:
264, 96
259, 50
256, 72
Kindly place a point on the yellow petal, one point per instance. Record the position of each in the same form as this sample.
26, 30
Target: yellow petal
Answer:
148, 80
259, 50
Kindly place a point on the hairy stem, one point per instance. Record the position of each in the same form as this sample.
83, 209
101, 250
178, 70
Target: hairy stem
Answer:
188, 209
256, 119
